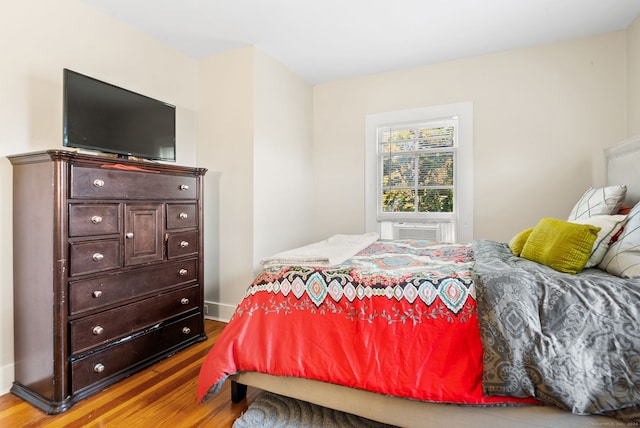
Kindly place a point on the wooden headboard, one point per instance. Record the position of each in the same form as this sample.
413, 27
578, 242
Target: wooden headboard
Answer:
623, 167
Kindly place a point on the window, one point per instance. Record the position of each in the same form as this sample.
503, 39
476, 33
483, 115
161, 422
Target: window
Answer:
419, 170
416, 164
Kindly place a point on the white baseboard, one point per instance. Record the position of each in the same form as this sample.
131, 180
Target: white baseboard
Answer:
218, 311
6, 378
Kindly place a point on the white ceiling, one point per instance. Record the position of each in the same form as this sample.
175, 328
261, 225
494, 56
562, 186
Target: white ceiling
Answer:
326, 40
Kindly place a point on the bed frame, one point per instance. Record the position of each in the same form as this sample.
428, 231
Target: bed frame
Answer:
622, 167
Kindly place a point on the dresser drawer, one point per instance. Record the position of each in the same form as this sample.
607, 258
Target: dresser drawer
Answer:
133, 353
182, 244
180, 216
93, 256
103, 183
106, 290
93, 219
94, 330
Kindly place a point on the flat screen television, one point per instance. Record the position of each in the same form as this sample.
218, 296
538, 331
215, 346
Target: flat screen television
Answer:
103, 117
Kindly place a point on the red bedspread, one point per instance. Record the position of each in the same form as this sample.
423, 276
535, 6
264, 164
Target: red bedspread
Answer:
399, 318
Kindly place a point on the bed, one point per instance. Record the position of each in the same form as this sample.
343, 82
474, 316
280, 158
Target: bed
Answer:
418, 333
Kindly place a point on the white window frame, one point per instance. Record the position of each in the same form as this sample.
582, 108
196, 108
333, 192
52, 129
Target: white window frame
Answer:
463, 169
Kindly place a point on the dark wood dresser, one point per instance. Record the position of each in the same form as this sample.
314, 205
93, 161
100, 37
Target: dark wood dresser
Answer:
108, 271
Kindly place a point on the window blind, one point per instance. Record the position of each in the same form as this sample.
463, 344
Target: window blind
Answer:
416, 164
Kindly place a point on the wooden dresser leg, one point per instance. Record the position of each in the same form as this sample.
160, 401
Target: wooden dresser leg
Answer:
238, 392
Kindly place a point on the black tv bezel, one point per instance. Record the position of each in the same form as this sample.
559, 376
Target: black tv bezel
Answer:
66, 142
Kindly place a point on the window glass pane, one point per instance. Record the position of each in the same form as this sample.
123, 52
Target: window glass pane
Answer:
433, 138
402, 134
435, 200
397, 146
417, 164
398, 171
398, 200
435, 169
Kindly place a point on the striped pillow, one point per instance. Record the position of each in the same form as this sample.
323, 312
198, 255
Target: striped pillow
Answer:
623, 256
610, 226
601, 201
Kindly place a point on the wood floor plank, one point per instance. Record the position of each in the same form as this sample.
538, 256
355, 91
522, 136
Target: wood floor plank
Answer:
164, 395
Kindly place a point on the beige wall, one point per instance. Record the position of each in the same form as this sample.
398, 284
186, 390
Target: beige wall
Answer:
282, 163
225, 146
254, 132
633, 78
39, 39
542, 116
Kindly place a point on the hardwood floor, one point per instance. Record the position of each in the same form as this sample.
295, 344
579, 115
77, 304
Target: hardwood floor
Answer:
164, 395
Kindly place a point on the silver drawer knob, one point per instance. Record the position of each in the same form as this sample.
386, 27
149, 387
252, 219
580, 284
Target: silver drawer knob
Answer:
183, 216
184, 301
184, 187
97, 293
97, 257
97, 330
96, 219
184, 244
98, 183
129, 235
183, 272
186, 330
98, 368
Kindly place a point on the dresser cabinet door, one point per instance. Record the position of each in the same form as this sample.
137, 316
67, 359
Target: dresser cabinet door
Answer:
143, 241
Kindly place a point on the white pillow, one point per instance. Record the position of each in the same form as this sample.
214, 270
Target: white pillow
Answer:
623, 256
601, 201
609, 226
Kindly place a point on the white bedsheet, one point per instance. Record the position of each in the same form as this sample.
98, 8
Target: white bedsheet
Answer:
329, 252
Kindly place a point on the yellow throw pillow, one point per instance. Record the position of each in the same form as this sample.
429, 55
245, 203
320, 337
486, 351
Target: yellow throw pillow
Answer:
561, 245
517, 242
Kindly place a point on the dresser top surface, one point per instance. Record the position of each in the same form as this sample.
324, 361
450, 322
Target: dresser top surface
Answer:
102, 161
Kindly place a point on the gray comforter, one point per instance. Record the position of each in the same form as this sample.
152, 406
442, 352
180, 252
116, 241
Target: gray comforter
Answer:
572, 341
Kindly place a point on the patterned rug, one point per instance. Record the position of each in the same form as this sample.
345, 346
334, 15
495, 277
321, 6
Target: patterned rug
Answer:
272, 410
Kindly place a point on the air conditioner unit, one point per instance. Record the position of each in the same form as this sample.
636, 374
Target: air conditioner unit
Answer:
424, 231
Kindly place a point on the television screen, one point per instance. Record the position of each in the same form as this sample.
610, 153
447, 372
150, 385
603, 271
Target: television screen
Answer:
103, 117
